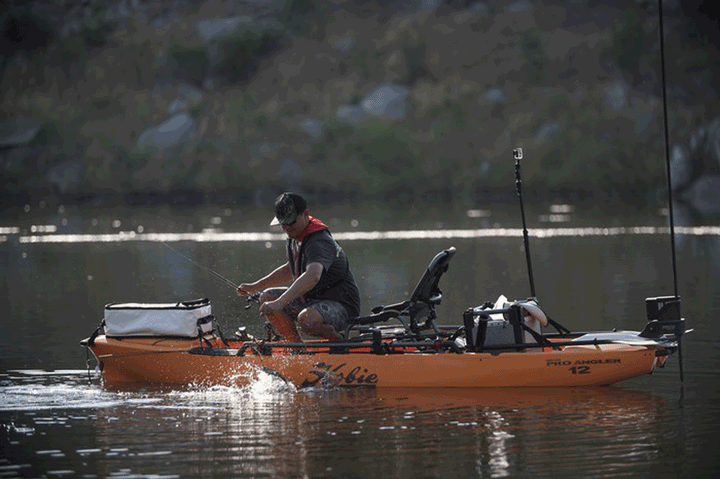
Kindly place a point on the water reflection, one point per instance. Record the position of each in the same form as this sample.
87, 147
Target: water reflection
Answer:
60, 421
487, 433
505, 427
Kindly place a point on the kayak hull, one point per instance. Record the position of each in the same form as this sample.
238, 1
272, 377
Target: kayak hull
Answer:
181, 362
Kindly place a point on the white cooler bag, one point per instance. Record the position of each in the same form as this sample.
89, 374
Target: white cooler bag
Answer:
185, 319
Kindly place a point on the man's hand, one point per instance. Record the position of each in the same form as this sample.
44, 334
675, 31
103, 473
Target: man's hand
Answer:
244, 289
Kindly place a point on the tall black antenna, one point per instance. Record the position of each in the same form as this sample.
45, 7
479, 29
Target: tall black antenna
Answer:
669, 185
667, 149
518, 154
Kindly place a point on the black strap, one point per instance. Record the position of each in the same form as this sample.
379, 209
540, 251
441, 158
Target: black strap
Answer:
542, 340
560, 328
96, 333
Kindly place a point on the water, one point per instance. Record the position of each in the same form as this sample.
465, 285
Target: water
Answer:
57, 420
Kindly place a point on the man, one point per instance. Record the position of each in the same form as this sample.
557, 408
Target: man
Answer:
323, 295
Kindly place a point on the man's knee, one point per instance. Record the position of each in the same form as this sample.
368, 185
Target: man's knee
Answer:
309, 319
266, 296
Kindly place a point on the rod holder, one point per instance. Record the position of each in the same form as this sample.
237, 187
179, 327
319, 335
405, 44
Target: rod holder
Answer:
518, 155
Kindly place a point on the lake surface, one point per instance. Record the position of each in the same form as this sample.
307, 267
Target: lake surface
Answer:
592, 271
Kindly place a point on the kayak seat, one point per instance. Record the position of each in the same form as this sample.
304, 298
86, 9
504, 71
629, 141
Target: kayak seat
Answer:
418, 312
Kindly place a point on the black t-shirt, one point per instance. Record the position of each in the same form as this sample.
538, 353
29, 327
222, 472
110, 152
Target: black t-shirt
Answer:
337, 282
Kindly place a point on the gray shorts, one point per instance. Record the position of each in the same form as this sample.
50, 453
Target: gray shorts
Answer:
332, 312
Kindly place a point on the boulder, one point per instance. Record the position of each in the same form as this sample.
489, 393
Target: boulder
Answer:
188, 97
236, 45
681, 167
396, 68
18, 132
186, 63
519, 6
291, 173
693, 167
645, 122
431, 5
706, 142
66, 177
494, 95
704, 196
351, 114
216, 28
344, 44
191, 94
177, 105
616, 94
386, 102
547, 131
258, 7
16, 161
179, 129
17, 154
314, 128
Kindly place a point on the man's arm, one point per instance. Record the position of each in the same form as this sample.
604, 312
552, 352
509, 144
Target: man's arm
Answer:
303, 284
281, 275
300, 286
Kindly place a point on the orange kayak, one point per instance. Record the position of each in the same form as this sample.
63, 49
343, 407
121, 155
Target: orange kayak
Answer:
499, 344
182, 362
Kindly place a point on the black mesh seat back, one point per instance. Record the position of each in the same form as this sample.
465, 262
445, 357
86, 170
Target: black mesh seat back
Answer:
427, 288
421, 303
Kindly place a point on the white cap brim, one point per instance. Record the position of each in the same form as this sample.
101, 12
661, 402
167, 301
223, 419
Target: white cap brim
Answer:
274, 222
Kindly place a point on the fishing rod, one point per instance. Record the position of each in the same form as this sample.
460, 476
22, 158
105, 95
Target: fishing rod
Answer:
214, 273
518, 155
251, 297
203, 267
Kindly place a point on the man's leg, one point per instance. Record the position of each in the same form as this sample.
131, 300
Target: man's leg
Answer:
319, 319
283, 323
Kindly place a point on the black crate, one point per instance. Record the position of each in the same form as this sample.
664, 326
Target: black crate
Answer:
663, 308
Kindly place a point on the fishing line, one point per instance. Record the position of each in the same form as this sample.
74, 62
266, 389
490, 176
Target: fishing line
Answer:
251, 297
214, 273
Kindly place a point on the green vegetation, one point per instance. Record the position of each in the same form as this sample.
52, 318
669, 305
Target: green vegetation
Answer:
96, 92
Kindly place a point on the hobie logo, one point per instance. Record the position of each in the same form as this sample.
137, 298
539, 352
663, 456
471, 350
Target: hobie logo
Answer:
341, 375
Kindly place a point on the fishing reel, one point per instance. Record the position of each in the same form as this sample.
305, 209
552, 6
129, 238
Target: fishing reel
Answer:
252, 298
242, 335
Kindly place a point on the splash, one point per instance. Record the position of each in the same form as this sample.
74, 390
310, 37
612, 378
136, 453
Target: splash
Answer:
34, 390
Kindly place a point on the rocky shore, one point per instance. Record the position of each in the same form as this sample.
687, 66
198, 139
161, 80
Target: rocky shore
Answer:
405, 101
